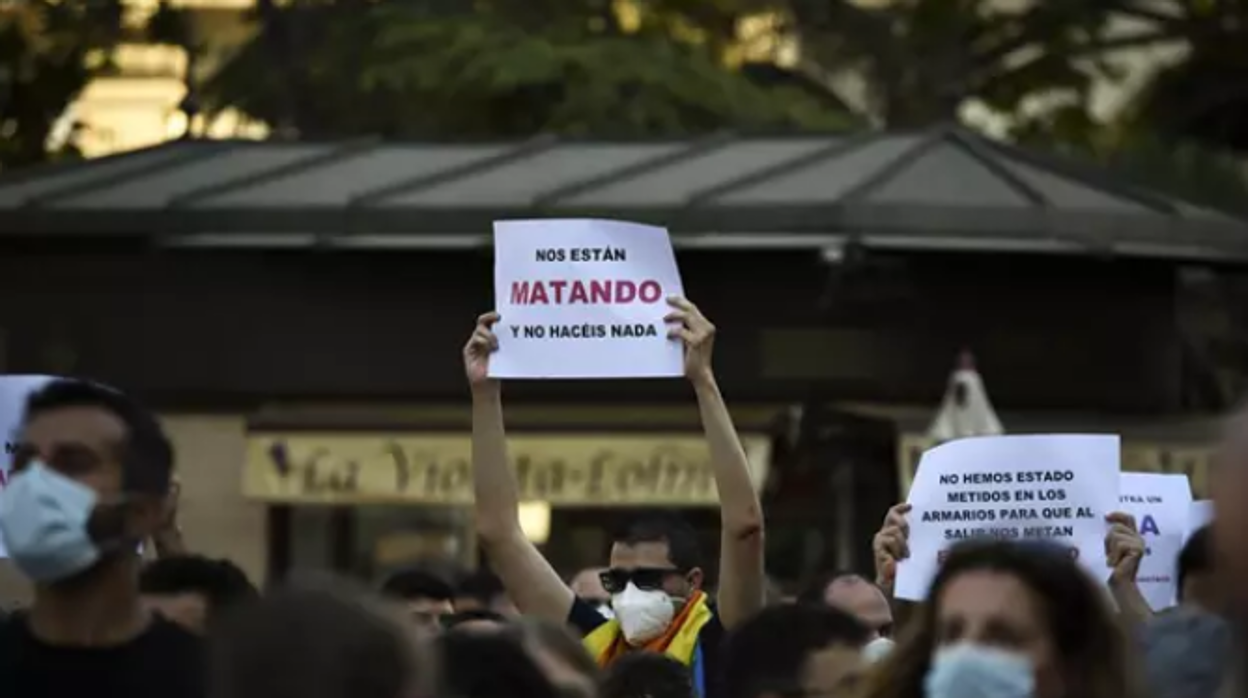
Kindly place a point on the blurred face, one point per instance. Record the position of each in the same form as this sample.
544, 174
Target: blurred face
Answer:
997, 610
587, 584
479, 625
190, 610
504, 606
501, 604
82, 443
833, 672
863, 600
427, 613
1230, 526
86, 444
649, 566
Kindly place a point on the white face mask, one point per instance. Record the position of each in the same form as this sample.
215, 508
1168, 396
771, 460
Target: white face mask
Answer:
877, 649
643, 615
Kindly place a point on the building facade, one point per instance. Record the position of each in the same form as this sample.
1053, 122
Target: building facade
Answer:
307, 303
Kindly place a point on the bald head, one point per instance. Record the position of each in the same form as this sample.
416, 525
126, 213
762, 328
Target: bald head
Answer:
863, 600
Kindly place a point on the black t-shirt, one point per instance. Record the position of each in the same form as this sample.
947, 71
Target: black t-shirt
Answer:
585, 618
164, 662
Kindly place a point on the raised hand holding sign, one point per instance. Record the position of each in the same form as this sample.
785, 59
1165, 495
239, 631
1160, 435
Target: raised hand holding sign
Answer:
585, 299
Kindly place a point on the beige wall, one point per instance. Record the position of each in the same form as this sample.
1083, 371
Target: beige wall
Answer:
216, 520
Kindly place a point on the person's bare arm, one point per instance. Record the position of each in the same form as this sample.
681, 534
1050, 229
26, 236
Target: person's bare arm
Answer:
530, 581
742, 580
889, 546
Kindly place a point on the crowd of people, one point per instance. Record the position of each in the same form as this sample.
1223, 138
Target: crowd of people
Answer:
93, 479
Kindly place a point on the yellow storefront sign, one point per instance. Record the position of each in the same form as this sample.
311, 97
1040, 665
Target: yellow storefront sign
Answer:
575, 470
1137, 456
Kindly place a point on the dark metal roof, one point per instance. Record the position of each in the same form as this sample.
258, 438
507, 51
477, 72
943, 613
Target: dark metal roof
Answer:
945, 188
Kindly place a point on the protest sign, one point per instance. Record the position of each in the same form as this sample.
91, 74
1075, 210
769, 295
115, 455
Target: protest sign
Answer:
1056, 488
1160, 504
13, 393
584, 299
1199, 515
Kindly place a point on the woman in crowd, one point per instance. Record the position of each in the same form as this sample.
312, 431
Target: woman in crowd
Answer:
1009, 620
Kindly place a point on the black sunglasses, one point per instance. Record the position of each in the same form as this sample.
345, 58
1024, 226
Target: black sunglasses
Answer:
615, 579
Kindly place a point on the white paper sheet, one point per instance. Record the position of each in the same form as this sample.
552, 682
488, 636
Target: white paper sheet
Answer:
584, 299
13, 393
1160, 504
1056, 487
1199, 515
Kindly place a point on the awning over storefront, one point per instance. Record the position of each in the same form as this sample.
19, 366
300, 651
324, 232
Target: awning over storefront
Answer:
563, 470
944, 189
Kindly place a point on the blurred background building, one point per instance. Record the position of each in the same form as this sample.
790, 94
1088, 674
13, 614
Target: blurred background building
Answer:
294, 304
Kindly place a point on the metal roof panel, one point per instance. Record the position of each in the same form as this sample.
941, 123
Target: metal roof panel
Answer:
158, 189
686, 178
61, 177
946, 175
337, 184
523, 181
824, 181
1070, 193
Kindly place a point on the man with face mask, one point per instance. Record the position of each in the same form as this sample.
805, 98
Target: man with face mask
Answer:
654, 577
90, 476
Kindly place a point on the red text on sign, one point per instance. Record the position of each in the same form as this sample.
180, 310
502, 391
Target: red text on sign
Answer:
577, 292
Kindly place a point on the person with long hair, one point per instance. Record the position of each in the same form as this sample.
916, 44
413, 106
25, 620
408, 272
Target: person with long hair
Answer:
1009, 620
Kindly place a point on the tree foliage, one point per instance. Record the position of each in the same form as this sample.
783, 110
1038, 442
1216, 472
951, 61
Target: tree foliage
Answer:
922, 59
413, 70
1204, 95
49, 51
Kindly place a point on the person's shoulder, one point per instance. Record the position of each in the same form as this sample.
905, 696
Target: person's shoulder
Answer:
584, 617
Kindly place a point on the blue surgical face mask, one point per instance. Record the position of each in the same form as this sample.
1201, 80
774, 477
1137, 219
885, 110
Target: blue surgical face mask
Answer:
43, 522
968, 670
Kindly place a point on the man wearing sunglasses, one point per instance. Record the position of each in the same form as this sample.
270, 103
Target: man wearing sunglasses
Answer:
654, 577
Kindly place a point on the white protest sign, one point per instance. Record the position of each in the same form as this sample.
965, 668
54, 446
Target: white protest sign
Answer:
1160, 504
1199, 515
1055, 487
13, 393
584, 299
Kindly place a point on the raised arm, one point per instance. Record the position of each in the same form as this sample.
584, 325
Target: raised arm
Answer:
1124, 549
742, 581
531, 582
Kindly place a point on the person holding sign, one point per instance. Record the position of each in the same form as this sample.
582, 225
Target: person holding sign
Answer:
1060, 488
1124, 549
1009, 619
654, 575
